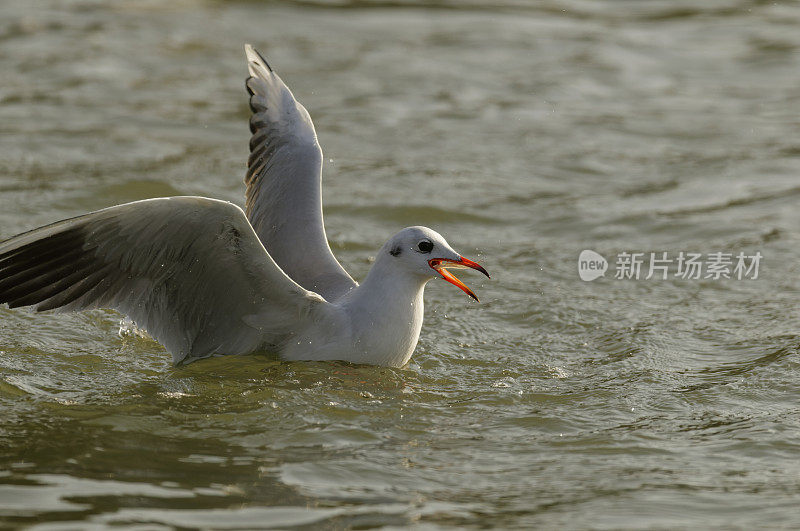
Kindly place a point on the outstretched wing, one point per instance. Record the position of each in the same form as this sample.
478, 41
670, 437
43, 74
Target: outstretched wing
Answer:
189, 270
284, 189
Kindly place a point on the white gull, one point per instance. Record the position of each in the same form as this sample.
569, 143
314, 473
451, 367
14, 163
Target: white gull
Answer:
205, 278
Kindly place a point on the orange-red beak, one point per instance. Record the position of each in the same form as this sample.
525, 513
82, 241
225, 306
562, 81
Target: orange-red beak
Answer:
442, 264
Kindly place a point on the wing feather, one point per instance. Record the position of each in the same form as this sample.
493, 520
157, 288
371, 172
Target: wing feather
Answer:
189, 270
284, 194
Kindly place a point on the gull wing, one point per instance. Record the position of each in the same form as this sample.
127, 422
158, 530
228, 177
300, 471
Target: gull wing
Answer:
189, 270
284, 184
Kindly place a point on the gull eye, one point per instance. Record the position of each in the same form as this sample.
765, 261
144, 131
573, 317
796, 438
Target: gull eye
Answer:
425, 246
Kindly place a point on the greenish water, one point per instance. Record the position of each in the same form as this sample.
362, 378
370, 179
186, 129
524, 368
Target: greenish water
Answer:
524, 133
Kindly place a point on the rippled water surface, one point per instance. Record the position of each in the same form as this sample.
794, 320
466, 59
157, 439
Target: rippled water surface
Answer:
525, 133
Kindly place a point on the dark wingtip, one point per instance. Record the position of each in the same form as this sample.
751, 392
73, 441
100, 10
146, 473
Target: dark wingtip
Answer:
261, 57
264, 60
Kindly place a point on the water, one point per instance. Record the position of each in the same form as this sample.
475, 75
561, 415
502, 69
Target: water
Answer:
524, 134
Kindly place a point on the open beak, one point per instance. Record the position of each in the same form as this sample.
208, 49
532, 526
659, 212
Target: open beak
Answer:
441, 265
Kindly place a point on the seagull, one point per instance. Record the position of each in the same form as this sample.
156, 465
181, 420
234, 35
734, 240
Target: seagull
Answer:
205, 278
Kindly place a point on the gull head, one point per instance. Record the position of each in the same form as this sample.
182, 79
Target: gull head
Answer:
424, 252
